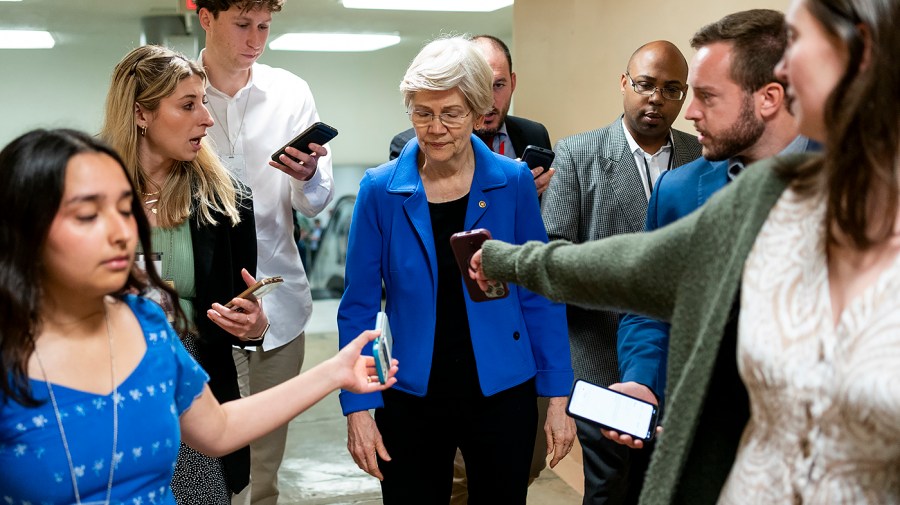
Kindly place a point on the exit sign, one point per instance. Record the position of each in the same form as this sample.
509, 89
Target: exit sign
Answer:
190, 5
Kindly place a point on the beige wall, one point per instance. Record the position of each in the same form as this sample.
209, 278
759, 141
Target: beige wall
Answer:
569, 54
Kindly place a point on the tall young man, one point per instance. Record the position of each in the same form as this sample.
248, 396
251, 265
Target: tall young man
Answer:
257, 109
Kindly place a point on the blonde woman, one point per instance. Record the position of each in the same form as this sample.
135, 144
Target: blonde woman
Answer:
203, 227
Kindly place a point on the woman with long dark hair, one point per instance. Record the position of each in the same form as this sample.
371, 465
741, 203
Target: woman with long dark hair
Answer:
97, 388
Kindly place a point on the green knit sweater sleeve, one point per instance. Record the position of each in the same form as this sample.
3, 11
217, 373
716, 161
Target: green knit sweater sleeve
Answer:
636, 272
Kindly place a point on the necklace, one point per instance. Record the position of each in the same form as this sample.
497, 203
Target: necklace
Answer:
151, 205
224, 124
59, 423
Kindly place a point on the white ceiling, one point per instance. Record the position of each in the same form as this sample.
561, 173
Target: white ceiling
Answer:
84, 21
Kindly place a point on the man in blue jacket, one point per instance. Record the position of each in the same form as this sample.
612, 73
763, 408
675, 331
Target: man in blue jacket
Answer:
741, 113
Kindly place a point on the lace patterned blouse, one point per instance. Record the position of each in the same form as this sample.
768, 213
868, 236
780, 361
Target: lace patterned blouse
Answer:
35, 470
825, 399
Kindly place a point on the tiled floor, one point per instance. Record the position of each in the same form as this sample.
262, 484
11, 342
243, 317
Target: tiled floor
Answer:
317, 468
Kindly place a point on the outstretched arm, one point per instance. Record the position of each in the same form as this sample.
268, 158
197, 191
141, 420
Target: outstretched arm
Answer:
216, 430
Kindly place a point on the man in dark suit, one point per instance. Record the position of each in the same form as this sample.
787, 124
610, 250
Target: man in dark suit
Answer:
742, 114
504, 134
509, 136
604, 179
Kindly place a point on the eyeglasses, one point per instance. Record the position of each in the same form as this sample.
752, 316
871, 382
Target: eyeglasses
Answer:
647, 89
452, 119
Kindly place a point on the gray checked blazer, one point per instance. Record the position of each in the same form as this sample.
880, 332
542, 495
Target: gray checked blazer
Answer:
597, 192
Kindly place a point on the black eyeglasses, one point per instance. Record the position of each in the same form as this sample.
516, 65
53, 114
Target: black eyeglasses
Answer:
452, 119
647, 89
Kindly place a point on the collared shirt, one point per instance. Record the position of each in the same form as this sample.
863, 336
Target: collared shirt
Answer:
274, 107
800, 144
650, 166
502, 138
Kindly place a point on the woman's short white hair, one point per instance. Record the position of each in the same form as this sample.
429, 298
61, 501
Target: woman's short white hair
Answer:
447, 63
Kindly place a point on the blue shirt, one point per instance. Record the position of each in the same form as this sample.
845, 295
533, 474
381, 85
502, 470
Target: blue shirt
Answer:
150, 401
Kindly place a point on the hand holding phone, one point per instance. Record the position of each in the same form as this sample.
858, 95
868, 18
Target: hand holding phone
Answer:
464, 245
381, 347
318, 133
258, 290
535, 156
613, 410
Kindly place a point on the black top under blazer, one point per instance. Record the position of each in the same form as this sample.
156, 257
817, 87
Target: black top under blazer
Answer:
220, 252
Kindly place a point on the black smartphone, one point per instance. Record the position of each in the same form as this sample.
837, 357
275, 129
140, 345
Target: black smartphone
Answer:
464, 245
318, 133
258, 290
535, 156
381, 347
613, 410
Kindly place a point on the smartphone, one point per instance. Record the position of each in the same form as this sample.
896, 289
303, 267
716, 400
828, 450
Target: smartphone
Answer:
464, 244
381, 347
613, 410
535, 156
318, 133
258, 290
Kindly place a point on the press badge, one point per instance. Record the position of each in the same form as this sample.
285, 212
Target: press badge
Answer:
140, 261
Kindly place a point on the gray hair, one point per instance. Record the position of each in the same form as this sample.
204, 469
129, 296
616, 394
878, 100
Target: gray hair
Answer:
447, 63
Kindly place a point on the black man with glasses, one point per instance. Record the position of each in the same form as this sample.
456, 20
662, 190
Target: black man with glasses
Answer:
604, 179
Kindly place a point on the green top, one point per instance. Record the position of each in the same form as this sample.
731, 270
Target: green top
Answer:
178, 264
687, 273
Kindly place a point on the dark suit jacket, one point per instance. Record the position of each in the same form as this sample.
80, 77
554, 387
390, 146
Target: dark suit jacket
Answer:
597, 192
643, 343
220, 252
522, 133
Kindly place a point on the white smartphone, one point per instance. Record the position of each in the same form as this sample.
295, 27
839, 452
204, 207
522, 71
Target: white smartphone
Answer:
613, 410
381, 347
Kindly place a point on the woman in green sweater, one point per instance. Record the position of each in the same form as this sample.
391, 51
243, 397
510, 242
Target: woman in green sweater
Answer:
794, 270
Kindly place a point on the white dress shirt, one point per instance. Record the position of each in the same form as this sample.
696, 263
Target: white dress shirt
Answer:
259, 119
650, 166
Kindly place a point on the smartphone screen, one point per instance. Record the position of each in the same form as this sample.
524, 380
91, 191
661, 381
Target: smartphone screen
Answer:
381, 347
613, 410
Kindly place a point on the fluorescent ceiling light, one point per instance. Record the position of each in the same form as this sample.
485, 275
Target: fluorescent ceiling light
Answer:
334, 42
429, 5
25, 39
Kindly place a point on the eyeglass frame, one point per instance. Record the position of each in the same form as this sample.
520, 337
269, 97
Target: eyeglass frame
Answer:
440, 117
655, 89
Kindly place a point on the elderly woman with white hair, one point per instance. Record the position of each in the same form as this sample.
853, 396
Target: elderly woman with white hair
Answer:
471, 370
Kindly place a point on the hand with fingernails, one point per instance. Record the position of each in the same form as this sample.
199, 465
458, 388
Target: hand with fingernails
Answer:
245, 319
299, 165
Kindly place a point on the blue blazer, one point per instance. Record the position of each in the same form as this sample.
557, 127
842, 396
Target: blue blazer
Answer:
515, 338
643, 343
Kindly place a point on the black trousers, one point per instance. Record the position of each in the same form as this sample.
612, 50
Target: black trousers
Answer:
495, 434
613, 473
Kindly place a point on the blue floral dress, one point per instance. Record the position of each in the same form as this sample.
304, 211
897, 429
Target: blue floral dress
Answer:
35, 470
